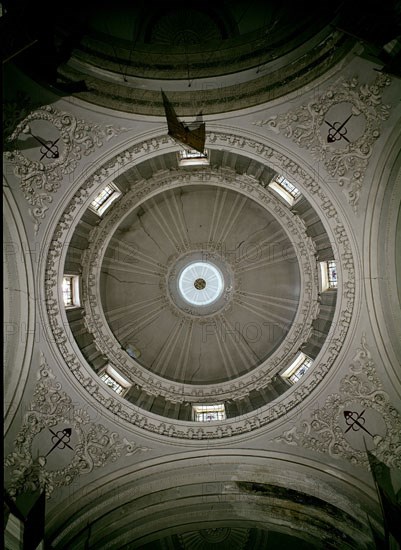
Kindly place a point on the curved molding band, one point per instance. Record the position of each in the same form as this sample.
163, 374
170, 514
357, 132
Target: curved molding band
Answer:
264, 416
19, 307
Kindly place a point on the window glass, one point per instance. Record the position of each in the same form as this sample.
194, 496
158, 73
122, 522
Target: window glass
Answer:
297, 368
300, 371
68, 290
112, 383
105, 198
291, 189
207, 412
102, 197
332, 274
285, 189
115, 380
191, 157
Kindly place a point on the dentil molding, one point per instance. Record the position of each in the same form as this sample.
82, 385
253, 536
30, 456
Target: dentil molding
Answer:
52, 273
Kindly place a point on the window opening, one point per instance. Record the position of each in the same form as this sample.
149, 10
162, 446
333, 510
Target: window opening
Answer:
285, 189
289, 187
332, 274
328, 275
298, 368
112, 383
105, 198
70, 289
191, 157
114, 380
208, 412
200, 283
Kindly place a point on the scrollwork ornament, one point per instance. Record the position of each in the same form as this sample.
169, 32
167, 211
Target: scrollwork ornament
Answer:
95, 447
346, 165
174, 392
323, 433
77, 139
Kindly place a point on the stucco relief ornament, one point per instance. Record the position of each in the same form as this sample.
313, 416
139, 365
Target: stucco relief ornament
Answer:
234, 390
106, 342
56, 432
339, 128
359, 414
48, 145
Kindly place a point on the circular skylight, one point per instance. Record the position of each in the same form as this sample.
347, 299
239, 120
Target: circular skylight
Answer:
200, 283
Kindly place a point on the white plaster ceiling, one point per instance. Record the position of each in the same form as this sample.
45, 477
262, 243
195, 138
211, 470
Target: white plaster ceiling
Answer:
285, 468
200, 344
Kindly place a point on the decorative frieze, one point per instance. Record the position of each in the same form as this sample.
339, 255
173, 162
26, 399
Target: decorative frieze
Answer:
236, 388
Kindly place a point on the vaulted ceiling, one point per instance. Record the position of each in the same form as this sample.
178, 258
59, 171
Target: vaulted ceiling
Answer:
202, 283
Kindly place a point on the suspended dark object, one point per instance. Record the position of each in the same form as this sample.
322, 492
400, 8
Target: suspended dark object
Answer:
190, 138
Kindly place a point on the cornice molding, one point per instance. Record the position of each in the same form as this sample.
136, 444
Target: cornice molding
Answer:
69, 353
265, 82
106, 342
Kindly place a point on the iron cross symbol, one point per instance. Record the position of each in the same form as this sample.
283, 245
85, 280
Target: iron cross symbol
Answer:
49, 149
60, 439
337, 131
355, 421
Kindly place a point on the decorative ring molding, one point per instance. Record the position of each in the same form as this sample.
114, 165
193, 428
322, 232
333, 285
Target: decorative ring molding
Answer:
198, 277
345, 301
106, 342
19, 311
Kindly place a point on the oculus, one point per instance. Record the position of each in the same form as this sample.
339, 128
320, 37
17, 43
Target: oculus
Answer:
200, 283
